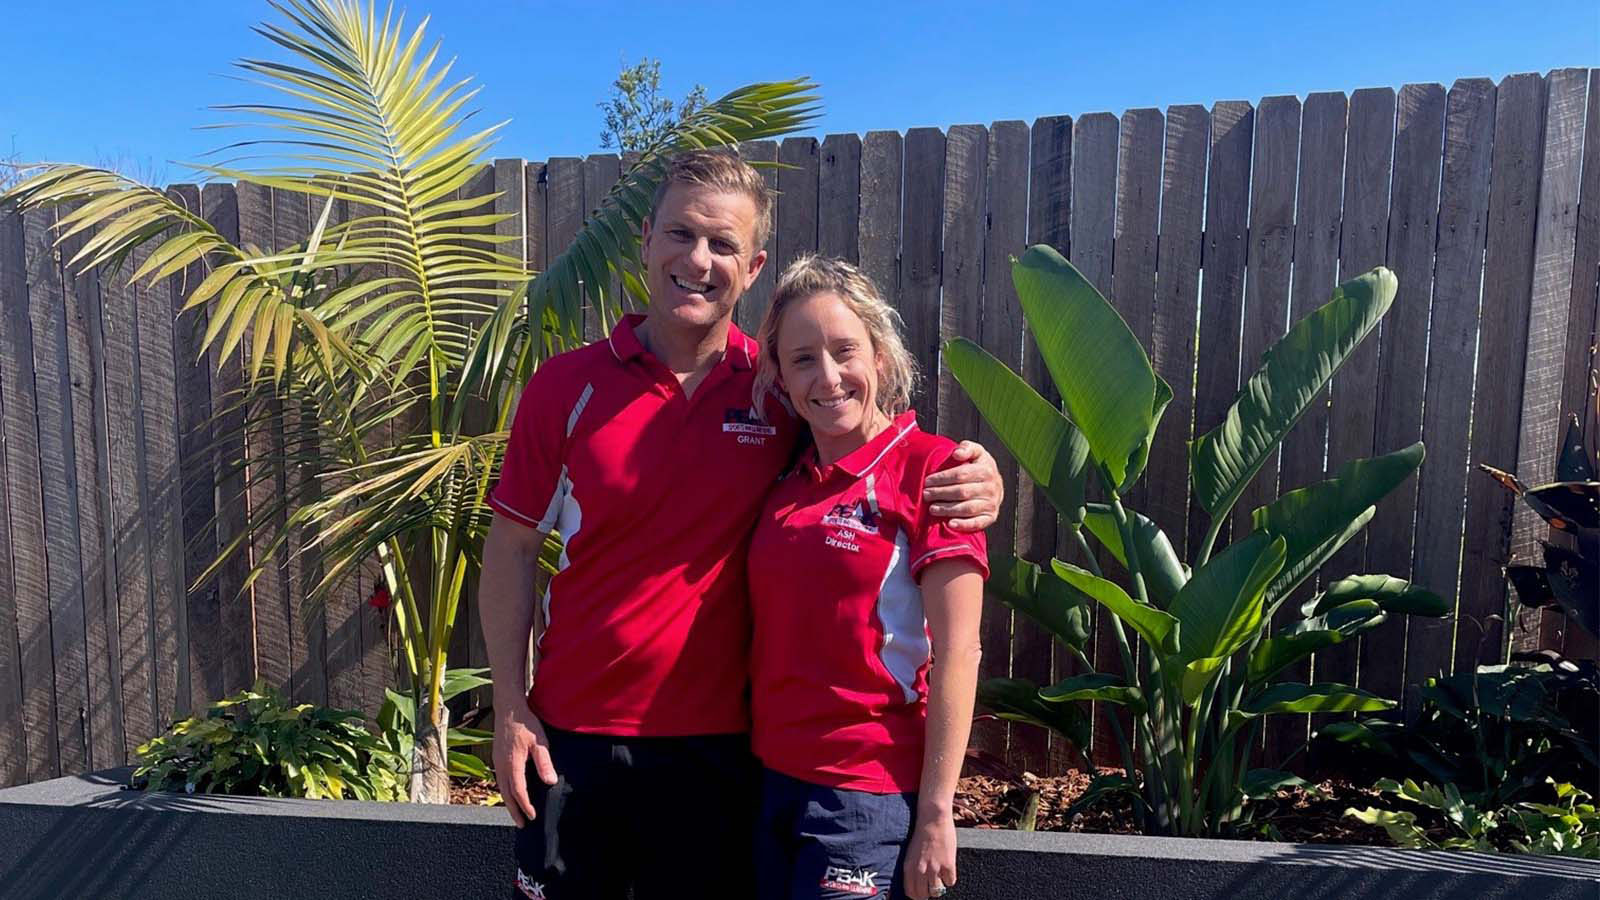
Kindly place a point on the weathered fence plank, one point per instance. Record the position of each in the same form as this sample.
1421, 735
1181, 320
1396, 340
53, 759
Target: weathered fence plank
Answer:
29, 740
1550, 305
1369, 158
839, 197
1452, 339
1502, 356
343, 604
922, 262
1577, 391
564, 211
158, 405
58, 478
1133, 249
600, 173
86, 363
292, 217
961, 315
224, 658
1316, 262
1093, 231
1174, 322
1037, 656
129, 515
196, 538
264, 478
798, 177
878, 212
374, 670
1000, 333
1269, 256
1222, 281
1402, 355
753, 305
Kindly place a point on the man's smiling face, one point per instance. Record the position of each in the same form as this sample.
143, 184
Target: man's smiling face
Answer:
700, 255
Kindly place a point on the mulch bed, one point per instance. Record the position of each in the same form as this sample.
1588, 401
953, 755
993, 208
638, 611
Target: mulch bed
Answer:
1296, 814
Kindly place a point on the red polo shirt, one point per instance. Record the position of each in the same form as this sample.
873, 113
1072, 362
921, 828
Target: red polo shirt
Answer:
647, 621
840, 655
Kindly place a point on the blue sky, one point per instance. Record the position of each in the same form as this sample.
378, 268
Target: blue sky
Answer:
128, 82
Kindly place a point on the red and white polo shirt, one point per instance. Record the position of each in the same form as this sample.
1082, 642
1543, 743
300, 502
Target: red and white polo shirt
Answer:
647, 621
840, 656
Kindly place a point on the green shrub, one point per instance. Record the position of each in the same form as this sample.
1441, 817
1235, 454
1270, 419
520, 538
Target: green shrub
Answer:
255, 743
1568, 827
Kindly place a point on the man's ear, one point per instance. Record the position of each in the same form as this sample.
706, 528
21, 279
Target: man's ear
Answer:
644, 238
756, 262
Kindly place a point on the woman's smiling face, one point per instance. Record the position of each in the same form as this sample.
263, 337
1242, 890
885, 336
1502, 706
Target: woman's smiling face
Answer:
830, 371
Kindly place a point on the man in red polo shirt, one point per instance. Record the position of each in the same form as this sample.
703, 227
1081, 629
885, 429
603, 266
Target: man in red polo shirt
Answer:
643, 451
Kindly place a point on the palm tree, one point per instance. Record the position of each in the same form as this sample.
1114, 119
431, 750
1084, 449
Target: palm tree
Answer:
436, 350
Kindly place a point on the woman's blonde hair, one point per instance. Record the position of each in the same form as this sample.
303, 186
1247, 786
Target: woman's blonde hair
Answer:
811, 275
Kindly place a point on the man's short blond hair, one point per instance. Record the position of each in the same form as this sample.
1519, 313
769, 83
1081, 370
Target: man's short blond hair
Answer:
722, 170
809, 276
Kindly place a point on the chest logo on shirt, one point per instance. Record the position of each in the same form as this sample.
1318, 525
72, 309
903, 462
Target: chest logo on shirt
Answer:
857, 516
747, 425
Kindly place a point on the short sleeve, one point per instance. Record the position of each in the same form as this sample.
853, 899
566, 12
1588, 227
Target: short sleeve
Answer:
934, 540
532, 479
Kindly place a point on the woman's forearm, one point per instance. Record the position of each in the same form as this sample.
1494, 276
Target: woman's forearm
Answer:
952, 682
952, 599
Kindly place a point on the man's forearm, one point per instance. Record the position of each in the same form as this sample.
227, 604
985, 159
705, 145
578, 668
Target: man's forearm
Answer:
506, 611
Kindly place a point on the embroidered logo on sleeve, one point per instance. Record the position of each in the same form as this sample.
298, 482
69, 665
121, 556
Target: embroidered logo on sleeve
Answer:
861, 882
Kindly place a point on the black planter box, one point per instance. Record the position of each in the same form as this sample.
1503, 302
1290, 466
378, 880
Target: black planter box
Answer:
87, 837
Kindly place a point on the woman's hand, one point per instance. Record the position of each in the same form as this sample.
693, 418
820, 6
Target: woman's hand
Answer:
931, 856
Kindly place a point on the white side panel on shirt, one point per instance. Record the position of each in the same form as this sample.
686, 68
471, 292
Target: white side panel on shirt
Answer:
905, 628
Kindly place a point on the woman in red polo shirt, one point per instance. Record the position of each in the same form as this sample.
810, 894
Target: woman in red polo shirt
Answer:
865, 650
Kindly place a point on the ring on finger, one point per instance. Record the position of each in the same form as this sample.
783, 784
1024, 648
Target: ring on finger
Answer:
937, 890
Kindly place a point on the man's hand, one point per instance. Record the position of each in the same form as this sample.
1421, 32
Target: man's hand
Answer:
518, 737
970, 494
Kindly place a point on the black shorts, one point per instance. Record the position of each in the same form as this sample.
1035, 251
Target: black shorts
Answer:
662, 817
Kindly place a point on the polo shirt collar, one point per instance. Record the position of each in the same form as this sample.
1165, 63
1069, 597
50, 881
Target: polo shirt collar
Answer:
858, 462
740, 352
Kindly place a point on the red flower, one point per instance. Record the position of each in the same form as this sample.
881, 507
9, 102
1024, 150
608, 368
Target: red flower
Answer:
379, 598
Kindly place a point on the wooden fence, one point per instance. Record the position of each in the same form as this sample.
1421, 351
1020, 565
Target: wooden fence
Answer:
1210, 229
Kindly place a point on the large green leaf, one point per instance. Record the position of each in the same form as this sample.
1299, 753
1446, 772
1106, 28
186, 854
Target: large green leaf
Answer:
1141, 456
1043, 440
1060, 608
1103, 374
1260, 783
1318, 519
1388, 592
1292, 377
1018, 700
1220, 609
1095, 686
1154, 625
1163, 573
1307, 636
1277, 653
1308, 698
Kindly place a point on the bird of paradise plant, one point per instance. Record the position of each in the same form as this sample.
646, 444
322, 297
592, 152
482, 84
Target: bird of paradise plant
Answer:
404, 317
